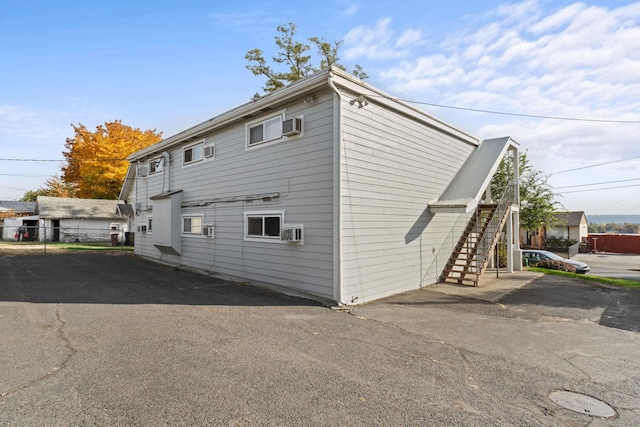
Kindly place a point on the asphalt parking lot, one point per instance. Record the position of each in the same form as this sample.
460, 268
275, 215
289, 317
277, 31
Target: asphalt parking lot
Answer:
102, 339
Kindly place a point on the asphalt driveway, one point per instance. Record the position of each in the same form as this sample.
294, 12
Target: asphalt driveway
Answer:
99, 339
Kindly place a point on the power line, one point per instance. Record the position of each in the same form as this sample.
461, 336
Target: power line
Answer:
598, 183
27, 175
593, 166
13, 188
534, 116
64, 160
31, 160
597, 189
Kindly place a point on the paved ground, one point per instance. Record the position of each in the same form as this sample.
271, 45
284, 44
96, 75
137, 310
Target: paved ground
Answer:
621, 266
97, 339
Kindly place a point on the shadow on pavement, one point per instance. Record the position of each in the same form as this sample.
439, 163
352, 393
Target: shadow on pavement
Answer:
555, 296
99, 278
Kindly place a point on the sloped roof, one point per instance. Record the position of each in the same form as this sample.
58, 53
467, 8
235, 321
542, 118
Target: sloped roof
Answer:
570, 219
329, 77
68, 208
467, 187
129, 180
17, 207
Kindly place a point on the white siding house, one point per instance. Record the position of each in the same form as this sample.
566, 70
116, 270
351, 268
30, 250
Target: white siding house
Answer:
328, 187
62, 219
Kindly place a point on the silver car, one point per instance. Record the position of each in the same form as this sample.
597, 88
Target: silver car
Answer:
534, 256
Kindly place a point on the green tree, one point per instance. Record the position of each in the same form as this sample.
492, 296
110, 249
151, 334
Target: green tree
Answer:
295, 57
54, 186
538, 206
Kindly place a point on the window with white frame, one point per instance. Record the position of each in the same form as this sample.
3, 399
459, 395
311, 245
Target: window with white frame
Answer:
263, 225
155, 165
266, 130
149, 224
192, 224
193, 153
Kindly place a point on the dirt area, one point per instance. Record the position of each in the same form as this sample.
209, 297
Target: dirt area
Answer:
19, 248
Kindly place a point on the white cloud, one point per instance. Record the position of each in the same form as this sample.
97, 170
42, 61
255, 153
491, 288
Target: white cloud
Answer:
578, 61
380, 42
351, 10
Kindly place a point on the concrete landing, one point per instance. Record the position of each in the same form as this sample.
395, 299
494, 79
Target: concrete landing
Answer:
491, 288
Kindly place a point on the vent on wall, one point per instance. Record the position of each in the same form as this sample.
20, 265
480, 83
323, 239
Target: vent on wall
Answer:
142, 228
207, 230
209, 151
143, 171
292, 127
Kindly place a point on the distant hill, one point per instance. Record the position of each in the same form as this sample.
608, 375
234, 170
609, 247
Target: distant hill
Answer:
613, 219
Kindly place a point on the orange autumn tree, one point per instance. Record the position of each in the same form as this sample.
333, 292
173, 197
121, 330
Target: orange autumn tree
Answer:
96, 161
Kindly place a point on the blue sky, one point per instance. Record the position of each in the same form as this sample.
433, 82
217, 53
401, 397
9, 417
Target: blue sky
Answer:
168, 65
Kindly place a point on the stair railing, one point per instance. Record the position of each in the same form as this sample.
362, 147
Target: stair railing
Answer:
485, 245
443, 254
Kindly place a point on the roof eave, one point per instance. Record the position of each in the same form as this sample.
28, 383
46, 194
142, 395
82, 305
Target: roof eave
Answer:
236, 114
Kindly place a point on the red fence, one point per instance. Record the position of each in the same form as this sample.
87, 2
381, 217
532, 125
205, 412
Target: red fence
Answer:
616, 243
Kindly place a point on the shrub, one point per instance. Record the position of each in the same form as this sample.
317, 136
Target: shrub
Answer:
560, 242
556, 265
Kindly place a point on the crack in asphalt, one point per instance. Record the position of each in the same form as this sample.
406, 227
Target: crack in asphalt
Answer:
71, 351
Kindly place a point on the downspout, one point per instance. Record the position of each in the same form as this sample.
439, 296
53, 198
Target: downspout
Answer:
166, 160
337, 192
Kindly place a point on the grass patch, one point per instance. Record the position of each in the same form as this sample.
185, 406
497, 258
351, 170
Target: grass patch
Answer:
88, 247
625, 283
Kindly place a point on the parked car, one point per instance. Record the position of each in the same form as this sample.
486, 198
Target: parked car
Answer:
534, 256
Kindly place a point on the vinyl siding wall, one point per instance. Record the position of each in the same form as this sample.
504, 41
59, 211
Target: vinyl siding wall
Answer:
391, 167
300, 168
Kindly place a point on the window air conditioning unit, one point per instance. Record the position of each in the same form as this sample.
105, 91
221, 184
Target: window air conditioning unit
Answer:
143, 171
291, 233
292, 127
209, 151
142, 228
207, 230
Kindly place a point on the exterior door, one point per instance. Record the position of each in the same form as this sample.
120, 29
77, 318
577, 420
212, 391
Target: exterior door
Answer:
56, 230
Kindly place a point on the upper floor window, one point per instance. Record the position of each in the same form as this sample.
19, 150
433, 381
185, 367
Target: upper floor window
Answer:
193, 153
263, 131
155, 165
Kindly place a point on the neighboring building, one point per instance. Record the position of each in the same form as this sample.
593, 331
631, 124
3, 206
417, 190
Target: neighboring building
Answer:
328, 187
85, 220
569, 226
12, 215
10, 208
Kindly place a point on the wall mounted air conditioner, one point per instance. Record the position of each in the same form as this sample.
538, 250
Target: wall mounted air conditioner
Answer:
291, 233
209, 151
207, 230
142, 228
143, 171
292, 127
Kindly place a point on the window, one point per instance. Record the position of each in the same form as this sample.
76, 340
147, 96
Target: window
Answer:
263, 225
149, 225
192, 224
155, 165
192, 153
264, 131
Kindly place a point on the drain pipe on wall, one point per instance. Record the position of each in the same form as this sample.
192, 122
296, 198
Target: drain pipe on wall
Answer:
166, 163
337, 192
